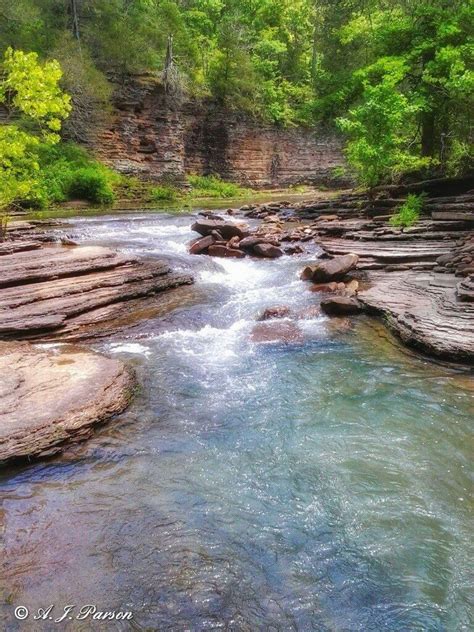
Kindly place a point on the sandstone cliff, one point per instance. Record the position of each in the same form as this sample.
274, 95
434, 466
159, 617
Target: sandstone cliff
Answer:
150, 136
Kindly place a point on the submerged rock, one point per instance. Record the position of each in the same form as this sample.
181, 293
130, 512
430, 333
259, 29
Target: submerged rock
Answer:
277, 311
308, 313
286, 332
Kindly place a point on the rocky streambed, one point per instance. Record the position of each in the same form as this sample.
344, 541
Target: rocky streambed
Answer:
420, 280
278, 468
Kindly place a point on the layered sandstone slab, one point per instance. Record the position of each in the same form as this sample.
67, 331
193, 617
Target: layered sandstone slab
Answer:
46, 292
424, 310
48, 398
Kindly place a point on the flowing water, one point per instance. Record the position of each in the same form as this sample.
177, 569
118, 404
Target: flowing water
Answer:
323, 485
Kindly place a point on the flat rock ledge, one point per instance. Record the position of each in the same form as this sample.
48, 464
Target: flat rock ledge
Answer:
50, 292
48, 399
424, 310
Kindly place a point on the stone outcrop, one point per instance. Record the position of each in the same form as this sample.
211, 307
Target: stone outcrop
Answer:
50, 398
52, 292
423, 309
419, 279
150, 136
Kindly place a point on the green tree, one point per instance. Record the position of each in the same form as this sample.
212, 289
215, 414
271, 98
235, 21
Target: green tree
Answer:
34, 107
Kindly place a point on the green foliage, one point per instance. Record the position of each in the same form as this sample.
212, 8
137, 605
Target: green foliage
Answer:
92, 184
412, 84
409, 212
164, 192
67, 171
377, 148
214, 187
31, 97
397, 75
32, 89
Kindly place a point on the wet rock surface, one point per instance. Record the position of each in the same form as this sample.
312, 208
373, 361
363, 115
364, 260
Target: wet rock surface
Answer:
48, 399
341, 306
46, 292
49, 291
419, 279
332, 270
285, 332
425, 311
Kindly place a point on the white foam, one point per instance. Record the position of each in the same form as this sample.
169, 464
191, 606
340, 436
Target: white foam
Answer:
129, 347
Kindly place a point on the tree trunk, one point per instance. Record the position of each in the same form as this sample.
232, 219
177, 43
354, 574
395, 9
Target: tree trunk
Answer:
428, 143
75, 20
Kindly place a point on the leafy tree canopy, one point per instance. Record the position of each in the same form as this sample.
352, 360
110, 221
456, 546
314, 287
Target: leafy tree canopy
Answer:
396, 75
34, 106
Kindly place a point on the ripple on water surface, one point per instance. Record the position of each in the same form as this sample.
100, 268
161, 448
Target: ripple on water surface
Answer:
316, 486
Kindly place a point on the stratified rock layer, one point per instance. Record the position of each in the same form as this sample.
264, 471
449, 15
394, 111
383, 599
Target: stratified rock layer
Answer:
149, 135
48, 399
423, 309
45, 293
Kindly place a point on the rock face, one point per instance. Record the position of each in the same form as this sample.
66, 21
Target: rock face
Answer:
422, 308
149, 136
47, 292
48, 399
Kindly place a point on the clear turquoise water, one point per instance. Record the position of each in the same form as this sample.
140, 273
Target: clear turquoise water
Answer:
320, 486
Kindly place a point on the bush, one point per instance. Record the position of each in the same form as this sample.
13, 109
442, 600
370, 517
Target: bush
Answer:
68, 171
409, 212
91, 183
164, 192
213, 186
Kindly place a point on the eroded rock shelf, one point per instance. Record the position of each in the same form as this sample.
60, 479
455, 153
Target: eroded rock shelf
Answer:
45, 291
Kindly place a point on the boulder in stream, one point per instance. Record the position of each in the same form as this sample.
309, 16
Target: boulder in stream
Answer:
331, 270
201, 245
205, 226
341, 305
220, 250
267, 250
